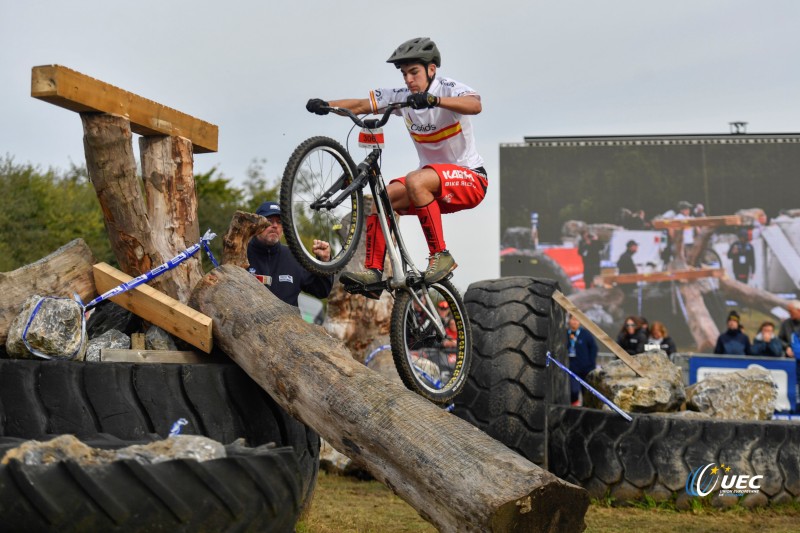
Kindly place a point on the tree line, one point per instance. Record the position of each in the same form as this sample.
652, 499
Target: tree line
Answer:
42, 210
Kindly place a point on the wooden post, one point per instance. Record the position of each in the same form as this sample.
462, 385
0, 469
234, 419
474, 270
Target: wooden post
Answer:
457, 477
172, 209
701, 324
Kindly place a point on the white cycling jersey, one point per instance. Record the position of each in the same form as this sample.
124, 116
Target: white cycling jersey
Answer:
440, 136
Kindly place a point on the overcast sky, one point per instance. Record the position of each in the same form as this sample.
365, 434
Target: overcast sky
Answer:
590, 67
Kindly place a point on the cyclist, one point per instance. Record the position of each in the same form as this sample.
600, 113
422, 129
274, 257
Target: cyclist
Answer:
450, 176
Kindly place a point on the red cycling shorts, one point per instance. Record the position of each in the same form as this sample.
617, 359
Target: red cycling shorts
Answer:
459, 188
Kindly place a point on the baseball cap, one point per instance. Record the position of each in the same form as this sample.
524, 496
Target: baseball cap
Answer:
268, 209
632, 243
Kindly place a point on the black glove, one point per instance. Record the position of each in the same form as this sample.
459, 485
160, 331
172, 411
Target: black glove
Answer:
422, 100
315, 105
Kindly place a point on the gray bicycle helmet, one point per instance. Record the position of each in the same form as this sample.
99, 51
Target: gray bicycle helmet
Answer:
421, 49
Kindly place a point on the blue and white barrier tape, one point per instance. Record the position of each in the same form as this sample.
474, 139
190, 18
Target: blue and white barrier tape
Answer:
591, 389
119, 289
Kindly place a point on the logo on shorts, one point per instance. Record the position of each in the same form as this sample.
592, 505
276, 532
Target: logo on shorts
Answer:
285, 278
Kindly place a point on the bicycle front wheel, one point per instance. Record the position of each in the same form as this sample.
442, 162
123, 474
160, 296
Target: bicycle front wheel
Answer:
433, 365
318, 170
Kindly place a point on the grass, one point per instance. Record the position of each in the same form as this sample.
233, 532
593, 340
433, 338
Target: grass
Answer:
347, 505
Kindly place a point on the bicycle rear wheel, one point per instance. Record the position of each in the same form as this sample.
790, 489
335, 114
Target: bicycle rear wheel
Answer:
319, 169
433, 366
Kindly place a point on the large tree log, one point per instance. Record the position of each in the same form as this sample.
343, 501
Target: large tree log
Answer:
749, 296
66, 271
167, 170
133, 230
454, 475
704, 331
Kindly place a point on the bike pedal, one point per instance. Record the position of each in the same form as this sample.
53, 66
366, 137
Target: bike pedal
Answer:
370, 291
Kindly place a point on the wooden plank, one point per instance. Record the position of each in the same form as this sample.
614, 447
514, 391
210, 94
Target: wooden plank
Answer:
77, 92
157, 308
668, 275
680, 223
157, 356
598, 333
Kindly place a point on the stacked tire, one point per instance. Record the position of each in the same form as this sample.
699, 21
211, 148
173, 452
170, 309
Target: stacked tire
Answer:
513, 396
515, 324
115, 404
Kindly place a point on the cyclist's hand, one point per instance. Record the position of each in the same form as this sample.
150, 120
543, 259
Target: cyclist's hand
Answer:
322, 250
315, 105
422, 100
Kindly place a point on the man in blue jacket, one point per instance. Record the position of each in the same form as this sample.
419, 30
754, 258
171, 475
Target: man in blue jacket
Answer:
733, 341
582, 350
275, 266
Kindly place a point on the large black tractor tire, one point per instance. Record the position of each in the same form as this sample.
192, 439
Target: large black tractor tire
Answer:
252, 489
654, 454
134, 401
515, 324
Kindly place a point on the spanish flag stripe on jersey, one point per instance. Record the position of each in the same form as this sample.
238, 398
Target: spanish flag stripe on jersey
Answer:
437, 136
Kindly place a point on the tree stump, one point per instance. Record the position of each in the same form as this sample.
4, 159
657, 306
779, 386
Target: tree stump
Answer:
243, 227
454, 475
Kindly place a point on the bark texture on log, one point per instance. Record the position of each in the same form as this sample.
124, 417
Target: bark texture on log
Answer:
167, 170
243, 227
140, 235
454, 475
66, 271
704, 331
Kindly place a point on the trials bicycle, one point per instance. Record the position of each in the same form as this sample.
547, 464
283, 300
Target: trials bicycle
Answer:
322, 198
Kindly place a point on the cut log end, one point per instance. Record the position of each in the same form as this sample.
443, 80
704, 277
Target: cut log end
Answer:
556, 506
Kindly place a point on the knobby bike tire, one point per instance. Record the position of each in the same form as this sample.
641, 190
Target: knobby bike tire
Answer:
411, 347
312, 168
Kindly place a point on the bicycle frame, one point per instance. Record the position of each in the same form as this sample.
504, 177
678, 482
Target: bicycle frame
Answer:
369, 170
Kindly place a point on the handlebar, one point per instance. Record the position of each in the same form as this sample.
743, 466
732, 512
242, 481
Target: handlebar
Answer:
369, 123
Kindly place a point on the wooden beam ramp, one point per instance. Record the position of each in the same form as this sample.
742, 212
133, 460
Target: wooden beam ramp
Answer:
157, 308
78, 92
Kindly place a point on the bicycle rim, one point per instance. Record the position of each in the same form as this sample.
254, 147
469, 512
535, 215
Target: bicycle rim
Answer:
432, 366
312, 171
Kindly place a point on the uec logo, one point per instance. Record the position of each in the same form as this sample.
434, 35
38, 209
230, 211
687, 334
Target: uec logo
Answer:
703, 481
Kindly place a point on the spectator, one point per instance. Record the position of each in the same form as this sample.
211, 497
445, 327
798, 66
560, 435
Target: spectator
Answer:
660, 336
625, 264
582, 350
589, 249
789, 333
631, 338
766, 342
699, 211
275, 266
644, 325
743, 258
733, 341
